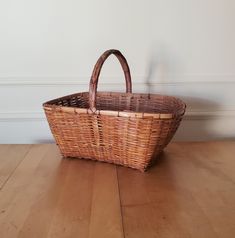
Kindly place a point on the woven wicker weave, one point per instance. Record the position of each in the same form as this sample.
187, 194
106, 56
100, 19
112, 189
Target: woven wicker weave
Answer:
129, 129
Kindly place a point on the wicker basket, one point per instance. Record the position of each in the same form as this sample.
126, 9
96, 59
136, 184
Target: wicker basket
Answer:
129, 129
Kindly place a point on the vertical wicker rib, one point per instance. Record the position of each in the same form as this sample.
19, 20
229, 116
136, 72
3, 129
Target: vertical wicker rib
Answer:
123, 128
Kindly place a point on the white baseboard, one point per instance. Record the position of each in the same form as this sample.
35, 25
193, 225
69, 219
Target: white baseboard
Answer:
210, 104
189, 115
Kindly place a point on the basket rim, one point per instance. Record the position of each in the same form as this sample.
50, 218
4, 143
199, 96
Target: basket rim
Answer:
49, 106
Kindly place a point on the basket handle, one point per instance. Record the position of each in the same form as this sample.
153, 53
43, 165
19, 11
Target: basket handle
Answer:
96, 73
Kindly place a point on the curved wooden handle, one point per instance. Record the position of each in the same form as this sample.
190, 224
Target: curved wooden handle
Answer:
96, 73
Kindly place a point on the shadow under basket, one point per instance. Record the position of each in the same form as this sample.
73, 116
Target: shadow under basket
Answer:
128, 129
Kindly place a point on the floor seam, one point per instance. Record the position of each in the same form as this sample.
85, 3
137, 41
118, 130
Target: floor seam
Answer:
118, 185
13, 171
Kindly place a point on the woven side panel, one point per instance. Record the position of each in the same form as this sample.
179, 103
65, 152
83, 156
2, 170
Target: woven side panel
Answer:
132, 142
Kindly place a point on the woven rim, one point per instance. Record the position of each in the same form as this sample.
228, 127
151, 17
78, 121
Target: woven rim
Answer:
50, 105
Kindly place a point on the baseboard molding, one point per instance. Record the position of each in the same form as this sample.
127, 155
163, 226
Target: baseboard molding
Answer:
191, 115
21, 116
106, 80
207, 115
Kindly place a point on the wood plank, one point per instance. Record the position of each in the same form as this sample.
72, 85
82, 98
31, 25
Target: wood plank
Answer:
73, 209
164, 202
190, 192
56, 198
48, 181
106, 219
213, 185
27, 187
10, 158
221, 155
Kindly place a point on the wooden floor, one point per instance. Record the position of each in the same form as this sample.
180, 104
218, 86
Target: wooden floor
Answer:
190, 192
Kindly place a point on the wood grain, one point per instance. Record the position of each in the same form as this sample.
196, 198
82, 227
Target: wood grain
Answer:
189, 192
73, 209
10, 158
106, 219
20, 192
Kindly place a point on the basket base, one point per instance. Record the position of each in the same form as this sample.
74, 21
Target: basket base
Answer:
139, 167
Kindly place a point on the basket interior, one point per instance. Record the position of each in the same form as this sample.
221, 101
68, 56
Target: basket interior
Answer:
147, 103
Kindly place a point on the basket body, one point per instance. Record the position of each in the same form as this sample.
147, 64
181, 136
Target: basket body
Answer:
122, 128
126, 129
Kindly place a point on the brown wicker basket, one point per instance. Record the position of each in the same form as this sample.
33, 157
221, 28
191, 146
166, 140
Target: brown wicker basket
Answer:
129, 129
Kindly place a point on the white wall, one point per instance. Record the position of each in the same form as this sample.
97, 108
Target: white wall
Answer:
184, 48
